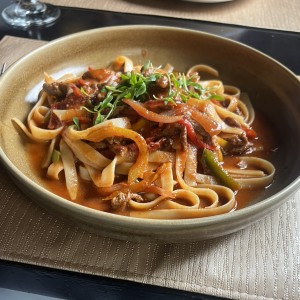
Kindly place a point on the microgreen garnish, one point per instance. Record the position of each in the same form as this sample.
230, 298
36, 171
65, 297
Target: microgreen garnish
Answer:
135, 85
76, 123
83, 91
146, 66
55, 156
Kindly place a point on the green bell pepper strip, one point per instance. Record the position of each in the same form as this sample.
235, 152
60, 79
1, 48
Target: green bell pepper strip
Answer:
55, 156
211, 161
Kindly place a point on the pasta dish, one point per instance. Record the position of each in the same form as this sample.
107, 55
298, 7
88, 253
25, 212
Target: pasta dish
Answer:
149, 142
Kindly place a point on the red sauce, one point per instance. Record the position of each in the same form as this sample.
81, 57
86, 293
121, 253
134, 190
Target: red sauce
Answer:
267, 140
88, 194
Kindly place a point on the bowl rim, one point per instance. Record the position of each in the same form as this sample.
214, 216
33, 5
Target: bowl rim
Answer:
147, 27
255, 209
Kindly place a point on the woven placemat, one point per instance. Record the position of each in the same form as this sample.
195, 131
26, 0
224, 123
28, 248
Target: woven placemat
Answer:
268, 14
259, 262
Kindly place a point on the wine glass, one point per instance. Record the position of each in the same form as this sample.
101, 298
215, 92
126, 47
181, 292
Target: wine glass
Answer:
27, 13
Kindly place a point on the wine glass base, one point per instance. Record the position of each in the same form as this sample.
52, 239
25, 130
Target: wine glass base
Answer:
13, 16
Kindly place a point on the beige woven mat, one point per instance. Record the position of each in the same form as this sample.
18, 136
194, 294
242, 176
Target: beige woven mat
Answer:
271, 14
259, 262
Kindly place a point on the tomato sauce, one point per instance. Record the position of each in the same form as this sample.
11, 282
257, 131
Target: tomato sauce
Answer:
89, 197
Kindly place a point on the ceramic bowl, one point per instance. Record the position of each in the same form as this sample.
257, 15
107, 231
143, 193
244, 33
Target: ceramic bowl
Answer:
274, 89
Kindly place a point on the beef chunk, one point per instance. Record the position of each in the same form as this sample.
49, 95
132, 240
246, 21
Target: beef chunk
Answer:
56, 89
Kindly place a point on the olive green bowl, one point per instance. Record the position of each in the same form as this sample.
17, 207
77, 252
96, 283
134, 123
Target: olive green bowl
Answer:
273, 88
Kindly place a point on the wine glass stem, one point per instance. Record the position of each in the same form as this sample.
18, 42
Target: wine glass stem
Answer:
28, 1
27, 13
28, 7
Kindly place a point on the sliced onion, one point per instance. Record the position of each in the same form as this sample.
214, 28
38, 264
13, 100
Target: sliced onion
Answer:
211, 126
84, 174
150, 115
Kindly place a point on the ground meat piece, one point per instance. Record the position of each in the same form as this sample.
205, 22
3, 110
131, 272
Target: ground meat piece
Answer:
159, 88
163, 82
119, 150
154, 145
170, 137
120, 201
71, 101
130, 151
206, 138
239, 144
182, 140
56, 89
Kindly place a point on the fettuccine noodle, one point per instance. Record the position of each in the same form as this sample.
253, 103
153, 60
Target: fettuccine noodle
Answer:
150, 140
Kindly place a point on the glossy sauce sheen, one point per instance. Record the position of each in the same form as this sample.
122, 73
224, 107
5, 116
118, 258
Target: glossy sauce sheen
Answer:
88, 194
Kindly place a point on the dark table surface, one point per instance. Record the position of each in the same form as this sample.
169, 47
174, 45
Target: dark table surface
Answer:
21, 281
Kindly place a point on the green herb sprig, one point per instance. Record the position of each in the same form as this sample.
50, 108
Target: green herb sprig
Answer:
133, 86
185, 87
136, 86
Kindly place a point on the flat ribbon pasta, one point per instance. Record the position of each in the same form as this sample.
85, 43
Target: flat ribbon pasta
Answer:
149, 142
95, 135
